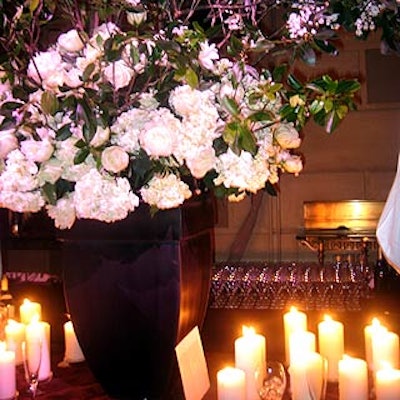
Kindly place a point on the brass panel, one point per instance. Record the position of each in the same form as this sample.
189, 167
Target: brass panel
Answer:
360, 215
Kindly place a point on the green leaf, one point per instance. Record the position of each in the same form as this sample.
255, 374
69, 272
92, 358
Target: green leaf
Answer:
191, 78
87, 73
348, 86
316, 106
81, 155
247, 141
230, 105
261, 116
294, 83
49, 192
49, 103
328, 105
64, 132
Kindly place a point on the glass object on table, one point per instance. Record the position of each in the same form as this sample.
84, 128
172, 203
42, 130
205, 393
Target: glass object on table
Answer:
274, 383
32, 356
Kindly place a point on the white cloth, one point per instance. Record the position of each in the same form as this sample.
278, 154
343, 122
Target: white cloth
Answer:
388, 229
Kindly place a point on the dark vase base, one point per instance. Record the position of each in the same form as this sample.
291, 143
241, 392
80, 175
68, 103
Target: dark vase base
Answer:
134, 289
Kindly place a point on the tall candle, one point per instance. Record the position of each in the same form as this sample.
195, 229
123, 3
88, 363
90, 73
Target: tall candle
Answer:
331, 345
250, 356
293, 321
231, 384
353, 378
38, 332
7, 373
387, 384
73, 351
301, 343
28, 309
385, 349
369, 332
307, 377
15, 335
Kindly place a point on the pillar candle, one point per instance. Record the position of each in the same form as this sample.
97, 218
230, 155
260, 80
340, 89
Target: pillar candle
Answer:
73, 352
387, 384
369, 332
308, 377
331, 345
293, 321
28, 309
385, 349
250, 356
300, 343
15, 335
231, 384
8, 381
39, 333
353, 378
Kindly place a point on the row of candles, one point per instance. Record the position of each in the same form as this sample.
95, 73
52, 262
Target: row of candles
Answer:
31, 328
309, 369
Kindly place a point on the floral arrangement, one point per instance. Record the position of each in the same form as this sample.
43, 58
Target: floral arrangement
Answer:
105, 105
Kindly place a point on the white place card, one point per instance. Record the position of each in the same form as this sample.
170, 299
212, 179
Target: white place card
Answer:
193, 366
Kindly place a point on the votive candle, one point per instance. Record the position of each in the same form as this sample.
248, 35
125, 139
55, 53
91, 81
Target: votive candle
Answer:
15, 335
28, 310
387, 384
73, 351
353, 378
250, 356
231, 384
331, 344
293, 320
7, 373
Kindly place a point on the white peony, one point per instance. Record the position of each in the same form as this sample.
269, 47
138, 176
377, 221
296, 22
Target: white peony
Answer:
70, 41
114, 159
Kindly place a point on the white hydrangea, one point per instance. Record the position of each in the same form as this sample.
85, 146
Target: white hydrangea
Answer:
126, 129
63, 213
242, 172
165, 192
103, 198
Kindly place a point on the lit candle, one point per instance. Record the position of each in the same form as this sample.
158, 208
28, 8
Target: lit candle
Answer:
369, 332
8, 381
15, 335
231, 384
353, 378
250, 356
293, 321
385, 349
301, 343
387, 384
38, 333
73, 352
307, 377
331, 345
28, 309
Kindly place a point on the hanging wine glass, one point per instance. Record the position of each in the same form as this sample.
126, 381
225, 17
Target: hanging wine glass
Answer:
274, 383
32, 355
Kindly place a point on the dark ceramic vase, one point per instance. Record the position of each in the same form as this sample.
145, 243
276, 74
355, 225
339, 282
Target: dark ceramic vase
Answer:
134, 289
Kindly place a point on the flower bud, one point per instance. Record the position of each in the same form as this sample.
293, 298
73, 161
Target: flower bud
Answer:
136, 18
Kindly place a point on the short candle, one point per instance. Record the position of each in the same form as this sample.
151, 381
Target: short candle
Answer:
7, 373
353, 378
387, 384
293, 321
231, 384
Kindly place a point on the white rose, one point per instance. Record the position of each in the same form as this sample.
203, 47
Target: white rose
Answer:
37, 150
293, 165
70, 41
114, 159
46, 68
73, 78
203, 162
8, 142
101, 136
207, 55
119, 74
158, 140
287, 136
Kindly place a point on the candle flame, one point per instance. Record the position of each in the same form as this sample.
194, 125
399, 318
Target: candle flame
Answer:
26, 301
248, 330
375, 322
293, 309
327, 317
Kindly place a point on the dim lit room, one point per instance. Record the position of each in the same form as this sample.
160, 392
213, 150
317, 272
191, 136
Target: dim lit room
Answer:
200, 200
